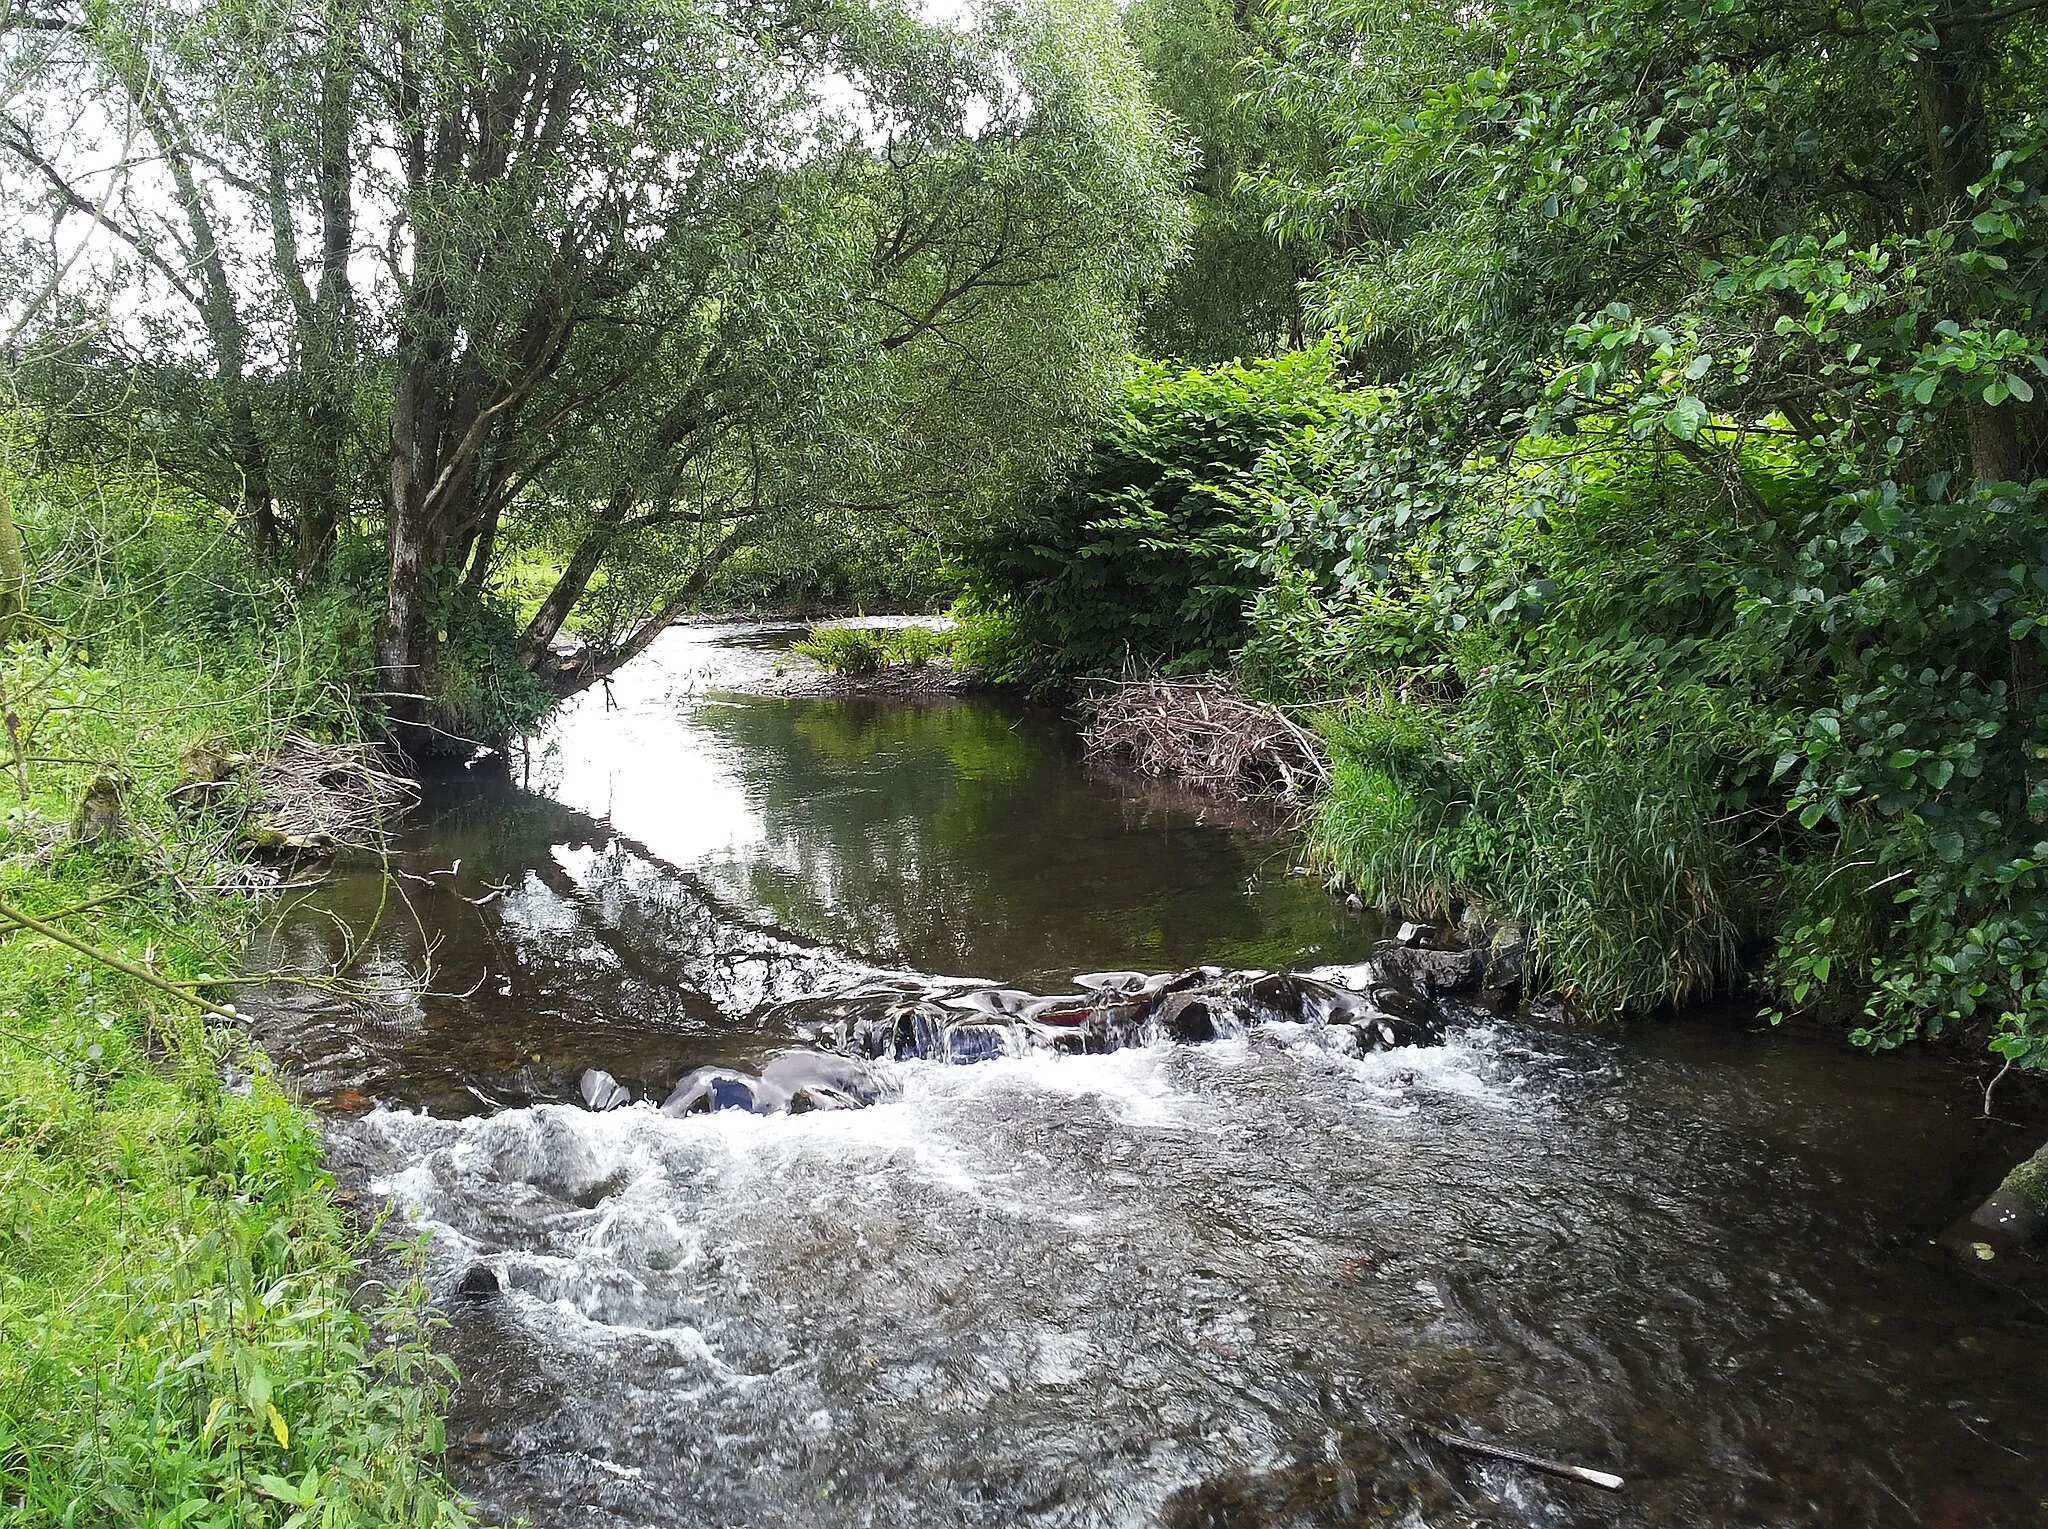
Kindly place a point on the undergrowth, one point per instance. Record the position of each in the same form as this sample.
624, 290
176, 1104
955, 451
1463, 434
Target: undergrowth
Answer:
185, 1334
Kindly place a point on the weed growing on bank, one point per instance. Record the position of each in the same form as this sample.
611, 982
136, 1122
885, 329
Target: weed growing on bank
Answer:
860, 650
185, 1337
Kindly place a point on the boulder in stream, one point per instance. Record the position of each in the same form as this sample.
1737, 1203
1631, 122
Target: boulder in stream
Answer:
601, 1091
709, 1089
2016, 1214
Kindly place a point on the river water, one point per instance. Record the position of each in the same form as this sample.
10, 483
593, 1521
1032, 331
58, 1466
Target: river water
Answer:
1237, 1283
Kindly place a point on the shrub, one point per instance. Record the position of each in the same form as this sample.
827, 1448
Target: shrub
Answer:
1149, 551
853, 650
916, 646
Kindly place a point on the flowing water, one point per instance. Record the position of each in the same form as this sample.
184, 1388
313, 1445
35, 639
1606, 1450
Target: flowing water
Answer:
1236, 1283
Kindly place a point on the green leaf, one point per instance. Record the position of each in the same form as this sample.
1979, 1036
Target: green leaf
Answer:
1685, 417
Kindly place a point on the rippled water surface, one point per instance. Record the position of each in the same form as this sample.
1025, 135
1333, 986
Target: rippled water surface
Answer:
1238, 1283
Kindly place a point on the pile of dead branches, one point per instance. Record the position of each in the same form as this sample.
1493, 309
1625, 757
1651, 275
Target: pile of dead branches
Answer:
1206, 732
311, 795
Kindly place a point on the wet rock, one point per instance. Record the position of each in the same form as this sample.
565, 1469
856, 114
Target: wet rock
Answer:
1435, 972
1394, 1001
479, 1282
1001, 1000
1193, 1018
823, 1080
970, 1043
818, 1097
1112, 982
1414, 934
716, 1088
601, 1091
903, 1033
2016, 1214
1063, 1009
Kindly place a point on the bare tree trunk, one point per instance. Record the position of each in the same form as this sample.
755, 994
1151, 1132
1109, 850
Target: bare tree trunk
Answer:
405, 639
332, 341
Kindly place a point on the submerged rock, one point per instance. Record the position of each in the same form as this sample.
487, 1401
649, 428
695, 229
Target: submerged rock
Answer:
709, 1089
2016, 1214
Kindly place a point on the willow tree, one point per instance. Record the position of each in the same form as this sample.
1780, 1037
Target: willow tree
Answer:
647, 272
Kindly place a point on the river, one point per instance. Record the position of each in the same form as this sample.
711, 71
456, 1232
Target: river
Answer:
1235, 1283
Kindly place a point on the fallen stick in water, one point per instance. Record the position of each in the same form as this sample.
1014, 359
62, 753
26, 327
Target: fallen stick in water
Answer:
1601, 1479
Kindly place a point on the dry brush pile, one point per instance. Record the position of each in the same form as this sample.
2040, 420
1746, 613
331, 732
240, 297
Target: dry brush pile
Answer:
1206, 732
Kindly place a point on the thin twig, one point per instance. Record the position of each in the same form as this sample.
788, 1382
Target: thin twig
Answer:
119, 963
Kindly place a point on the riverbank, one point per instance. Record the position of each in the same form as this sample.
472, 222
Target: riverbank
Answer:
1165, 1278
187, 1334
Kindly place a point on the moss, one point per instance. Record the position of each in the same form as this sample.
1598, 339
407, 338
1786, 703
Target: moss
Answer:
2030, 1181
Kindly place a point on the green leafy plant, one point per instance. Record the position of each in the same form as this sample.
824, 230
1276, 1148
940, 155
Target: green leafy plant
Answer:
850, 650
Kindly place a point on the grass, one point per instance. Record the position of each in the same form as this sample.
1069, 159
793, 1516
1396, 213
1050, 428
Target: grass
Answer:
186, 1335
1605, 843
859, 650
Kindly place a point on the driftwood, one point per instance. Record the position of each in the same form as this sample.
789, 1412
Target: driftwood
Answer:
1206, 732
320, 796
1605, 1480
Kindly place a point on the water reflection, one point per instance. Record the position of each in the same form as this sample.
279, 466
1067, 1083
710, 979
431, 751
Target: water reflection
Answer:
687, 865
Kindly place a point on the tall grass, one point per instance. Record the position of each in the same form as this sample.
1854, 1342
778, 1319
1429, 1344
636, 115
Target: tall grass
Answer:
185, 1337
1607, 843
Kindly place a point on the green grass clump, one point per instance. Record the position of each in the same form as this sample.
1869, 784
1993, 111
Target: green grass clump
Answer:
917, 646
860, 650
853, 650
1606, 844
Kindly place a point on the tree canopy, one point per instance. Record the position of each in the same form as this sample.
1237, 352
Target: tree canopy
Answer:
632, 277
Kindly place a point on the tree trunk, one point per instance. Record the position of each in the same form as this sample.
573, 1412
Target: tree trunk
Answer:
1958, 133
331, 347
546, 624
644, 635
405, 638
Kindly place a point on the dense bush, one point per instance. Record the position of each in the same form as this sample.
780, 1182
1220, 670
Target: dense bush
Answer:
1149, 553
1607, 696
854, 650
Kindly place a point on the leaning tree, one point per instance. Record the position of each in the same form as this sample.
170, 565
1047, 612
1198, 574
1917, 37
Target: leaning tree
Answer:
630, 279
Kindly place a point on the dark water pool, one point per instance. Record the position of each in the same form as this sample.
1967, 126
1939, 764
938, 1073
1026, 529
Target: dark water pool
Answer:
1230, 1284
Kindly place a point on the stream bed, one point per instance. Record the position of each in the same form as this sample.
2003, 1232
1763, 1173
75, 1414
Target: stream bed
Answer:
1234, 1283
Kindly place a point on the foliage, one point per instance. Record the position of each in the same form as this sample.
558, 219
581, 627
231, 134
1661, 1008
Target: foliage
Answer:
1235, 294
701, 277
862, 650
1148, 553
854, 650
1696, 346
835, 562
917, 646
184, 1334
